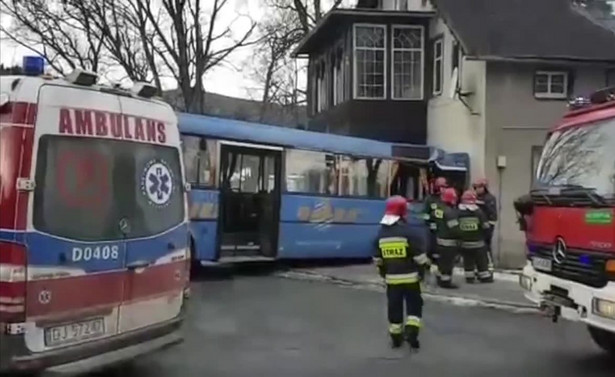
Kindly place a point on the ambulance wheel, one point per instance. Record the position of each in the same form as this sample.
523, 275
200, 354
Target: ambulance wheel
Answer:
604, 339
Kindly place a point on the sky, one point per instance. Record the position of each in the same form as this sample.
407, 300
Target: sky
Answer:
228, 79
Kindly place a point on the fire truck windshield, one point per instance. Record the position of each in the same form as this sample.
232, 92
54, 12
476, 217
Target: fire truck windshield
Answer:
581, 157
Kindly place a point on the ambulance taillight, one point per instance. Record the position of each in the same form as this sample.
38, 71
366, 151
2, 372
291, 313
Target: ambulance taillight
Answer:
12, 282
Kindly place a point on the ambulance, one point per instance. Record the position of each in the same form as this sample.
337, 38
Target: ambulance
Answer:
94, 255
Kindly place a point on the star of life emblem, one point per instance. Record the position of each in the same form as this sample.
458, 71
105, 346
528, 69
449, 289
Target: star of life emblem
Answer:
157, 183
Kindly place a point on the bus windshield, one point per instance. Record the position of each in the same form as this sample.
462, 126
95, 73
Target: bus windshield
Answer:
581, 157
100, 189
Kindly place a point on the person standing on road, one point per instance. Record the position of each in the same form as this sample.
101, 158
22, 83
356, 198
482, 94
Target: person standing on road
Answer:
432, 203
401, 257
447, 237
473, 225
488, 204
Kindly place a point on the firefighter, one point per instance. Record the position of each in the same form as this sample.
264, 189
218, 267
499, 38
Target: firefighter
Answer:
447, 237
473, 225
487, 202
401, 258
431, 204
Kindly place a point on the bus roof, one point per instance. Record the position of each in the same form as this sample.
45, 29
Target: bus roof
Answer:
242, 131
282, 136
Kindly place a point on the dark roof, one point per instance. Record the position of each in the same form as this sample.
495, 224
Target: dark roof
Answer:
527, 29
336, 20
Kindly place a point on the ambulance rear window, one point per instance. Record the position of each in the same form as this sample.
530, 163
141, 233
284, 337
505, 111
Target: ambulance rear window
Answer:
86, 188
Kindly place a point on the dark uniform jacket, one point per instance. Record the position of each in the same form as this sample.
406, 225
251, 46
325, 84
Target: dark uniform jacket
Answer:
447, 225
488, 204
431, 204
473, 225
400, 253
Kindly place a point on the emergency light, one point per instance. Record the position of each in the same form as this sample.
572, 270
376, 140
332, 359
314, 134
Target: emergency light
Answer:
33, 65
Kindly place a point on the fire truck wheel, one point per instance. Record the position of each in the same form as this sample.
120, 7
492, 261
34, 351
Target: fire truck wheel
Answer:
604, 339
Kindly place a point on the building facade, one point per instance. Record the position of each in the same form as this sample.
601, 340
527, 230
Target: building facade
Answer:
488, 78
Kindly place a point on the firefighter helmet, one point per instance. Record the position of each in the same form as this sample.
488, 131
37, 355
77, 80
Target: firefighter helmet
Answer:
396, 208
449, 196
468, 197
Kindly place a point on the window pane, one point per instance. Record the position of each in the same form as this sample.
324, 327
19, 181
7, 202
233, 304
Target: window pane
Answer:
310, 172
190, 147
370, 73
207, 163
369, 36
541, 83
437, 85
408, 74
95, 183
407, 38
353, 177
557, 79
377, 177
438, 49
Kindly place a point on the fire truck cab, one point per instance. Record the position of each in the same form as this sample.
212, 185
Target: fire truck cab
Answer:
568, 220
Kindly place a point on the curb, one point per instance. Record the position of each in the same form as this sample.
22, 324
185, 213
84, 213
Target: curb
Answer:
457, 300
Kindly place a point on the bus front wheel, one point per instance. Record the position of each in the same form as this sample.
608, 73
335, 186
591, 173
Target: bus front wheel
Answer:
604, 339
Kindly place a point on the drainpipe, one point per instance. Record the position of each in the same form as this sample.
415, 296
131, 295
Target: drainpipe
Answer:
501, 165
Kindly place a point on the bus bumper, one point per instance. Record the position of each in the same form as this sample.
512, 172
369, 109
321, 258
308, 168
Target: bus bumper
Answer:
88, 357
571, 300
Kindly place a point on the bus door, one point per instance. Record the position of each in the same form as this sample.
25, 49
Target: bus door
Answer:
249, 202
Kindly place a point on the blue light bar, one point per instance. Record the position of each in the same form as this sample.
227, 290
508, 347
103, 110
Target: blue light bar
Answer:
33, 65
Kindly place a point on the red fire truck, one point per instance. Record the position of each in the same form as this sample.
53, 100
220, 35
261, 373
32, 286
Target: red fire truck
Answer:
568, 220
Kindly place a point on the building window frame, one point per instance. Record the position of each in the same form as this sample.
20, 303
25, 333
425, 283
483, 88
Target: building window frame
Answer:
535, 155
355, 86
339, 73
550, 94
401, 49
438, 72
321, 86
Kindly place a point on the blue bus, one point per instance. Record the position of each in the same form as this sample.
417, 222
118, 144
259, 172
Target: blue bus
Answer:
262, 192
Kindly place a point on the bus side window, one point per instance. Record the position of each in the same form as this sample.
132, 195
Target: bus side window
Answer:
190, 146
207, 162
199, 160
310, 172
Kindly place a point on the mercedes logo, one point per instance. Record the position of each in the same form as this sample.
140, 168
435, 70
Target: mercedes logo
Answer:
559, 251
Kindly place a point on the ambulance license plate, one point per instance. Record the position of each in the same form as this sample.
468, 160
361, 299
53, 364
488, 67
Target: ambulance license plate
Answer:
542, 264
74, 332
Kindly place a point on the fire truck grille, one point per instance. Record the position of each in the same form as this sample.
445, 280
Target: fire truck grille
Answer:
587, 268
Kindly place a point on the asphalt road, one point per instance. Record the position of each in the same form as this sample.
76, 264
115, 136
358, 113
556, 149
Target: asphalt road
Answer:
269, 326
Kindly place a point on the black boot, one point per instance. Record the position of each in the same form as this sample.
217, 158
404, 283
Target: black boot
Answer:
412, 337
396, 340
447, 284
470, 280
486, 280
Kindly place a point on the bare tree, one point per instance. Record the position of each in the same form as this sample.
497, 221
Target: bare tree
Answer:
288, 23
189, 44
181, 39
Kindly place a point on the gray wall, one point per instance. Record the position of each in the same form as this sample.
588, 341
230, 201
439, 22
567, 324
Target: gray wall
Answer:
515, 122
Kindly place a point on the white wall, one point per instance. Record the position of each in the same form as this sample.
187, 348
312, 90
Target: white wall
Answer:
450, 125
